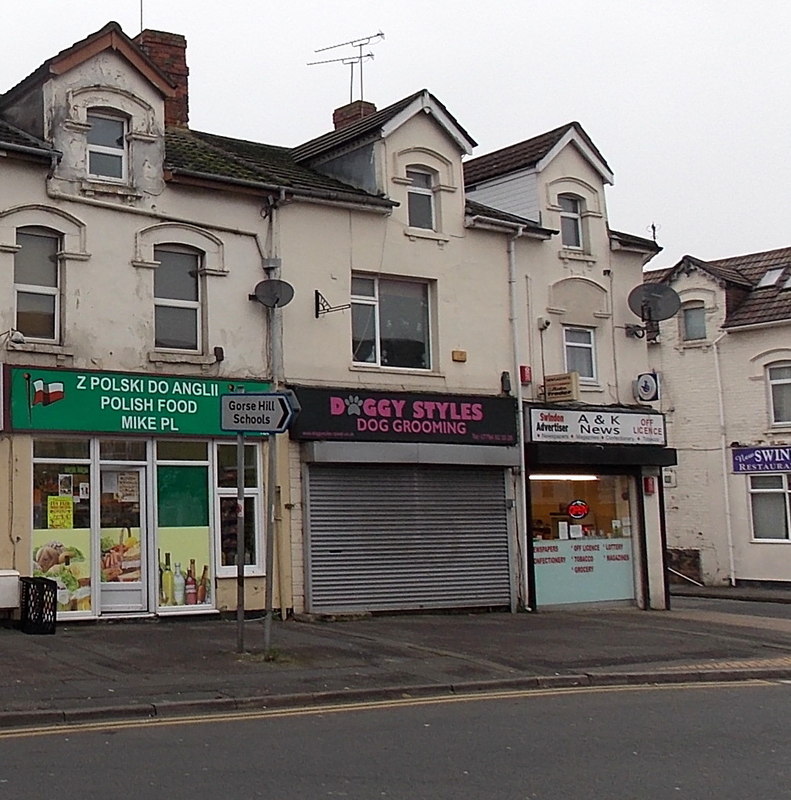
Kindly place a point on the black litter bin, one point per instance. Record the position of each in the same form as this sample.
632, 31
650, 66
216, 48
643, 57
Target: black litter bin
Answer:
38, 605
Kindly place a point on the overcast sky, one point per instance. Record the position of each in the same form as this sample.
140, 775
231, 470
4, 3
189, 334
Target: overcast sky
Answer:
687, 101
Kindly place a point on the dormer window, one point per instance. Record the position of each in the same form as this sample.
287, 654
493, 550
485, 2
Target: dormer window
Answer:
420, 198
570, 221
106, 146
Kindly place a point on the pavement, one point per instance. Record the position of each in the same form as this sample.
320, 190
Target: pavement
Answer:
179, 667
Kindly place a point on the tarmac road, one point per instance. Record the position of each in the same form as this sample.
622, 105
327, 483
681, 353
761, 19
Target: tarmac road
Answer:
609, 743
165, 668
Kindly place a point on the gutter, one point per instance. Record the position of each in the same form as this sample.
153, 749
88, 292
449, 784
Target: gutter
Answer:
32, 151
724, 458
757, 326
516, 352
499, 225
334, 197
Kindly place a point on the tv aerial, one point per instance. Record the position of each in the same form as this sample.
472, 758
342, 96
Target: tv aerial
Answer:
273, 293
652, 302
363, 41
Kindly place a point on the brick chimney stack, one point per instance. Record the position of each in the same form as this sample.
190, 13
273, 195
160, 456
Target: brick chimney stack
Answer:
169, 52
351, 113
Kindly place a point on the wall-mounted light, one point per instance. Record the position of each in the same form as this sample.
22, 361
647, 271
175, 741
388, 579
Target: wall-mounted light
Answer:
505, 382
538, 477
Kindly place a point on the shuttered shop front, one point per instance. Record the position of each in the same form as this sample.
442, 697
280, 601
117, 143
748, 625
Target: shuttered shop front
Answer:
406, 537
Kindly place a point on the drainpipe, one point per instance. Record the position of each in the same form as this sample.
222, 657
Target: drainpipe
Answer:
521, 511
724, 456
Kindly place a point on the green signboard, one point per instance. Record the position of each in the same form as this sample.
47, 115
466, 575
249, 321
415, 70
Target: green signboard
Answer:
118, 402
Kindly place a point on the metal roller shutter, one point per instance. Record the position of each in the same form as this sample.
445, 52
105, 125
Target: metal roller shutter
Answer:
406, 537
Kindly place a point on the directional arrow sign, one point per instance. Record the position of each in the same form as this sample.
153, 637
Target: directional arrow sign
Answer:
269, 412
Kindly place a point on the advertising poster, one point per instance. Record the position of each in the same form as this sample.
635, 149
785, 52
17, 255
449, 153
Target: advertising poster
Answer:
65, 560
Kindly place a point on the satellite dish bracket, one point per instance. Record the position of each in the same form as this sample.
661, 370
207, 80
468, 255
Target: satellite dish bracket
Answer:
323, 305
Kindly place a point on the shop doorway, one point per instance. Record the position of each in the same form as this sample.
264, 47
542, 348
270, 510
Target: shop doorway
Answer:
122, 540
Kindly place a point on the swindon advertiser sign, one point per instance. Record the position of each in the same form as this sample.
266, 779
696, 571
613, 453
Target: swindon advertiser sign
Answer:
600, 426
116, 402
761, 459
362, 416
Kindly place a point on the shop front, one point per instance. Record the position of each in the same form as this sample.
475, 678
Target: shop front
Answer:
408, 500
133, 497
760, 489
594, 505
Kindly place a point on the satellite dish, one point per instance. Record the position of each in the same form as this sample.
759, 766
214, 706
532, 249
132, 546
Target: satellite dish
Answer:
274, 293
653, 302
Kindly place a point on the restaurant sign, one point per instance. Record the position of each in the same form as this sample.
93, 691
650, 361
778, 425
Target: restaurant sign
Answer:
761, 459
362, 416
117, 402
554, 424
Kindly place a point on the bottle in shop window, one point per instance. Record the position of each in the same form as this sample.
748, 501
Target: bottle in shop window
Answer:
179, 585
203, 585
167, 583
161, 573
190, 585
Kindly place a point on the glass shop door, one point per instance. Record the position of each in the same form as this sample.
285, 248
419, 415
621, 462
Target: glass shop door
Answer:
124, 578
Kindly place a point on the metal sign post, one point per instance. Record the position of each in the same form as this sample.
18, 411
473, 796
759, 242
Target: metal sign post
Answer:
263, 412
240, 542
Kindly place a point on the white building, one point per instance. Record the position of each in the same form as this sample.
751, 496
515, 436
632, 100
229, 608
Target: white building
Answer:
134, 247
725, 363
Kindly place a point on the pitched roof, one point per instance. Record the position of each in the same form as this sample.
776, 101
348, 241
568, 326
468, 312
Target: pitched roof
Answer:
112, 37
12, 138
523, 155
371, 125
205, 155
630, 241
763, 303
475, 209
759, 304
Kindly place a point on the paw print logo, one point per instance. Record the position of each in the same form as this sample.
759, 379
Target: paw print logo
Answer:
353, 405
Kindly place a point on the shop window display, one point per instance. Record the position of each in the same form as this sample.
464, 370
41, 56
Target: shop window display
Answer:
62, 531
184, 536
582, 548
227, 500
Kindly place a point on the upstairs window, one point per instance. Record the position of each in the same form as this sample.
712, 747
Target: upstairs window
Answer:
693, 322
107, 154
37, 283
390, 323
580, 351
420, 198
780, 393
177, 310
570, 221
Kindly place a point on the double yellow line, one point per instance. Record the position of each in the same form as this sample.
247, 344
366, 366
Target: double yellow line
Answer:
370, 705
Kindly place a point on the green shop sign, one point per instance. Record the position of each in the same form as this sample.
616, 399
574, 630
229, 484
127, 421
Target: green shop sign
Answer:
117, 402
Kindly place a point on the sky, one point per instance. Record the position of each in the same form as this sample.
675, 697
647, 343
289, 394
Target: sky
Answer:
689, 102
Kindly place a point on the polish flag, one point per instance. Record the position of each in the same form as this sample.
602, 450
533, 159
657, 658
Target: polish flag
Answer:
47, 393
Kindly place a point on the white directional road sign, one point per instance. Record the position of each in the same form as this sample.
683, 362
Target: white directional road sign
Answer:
269, 412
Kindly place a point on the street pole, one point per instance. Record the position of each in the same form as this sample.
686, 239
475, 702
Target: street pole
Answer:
240, 542
273, 344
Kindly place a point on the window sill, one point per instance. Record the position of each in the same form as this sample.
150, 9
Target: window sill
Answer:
120, 189
693, 344
564, 254
770, 541
425, 233
590, 387
43, 348
158, 357
428, 373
